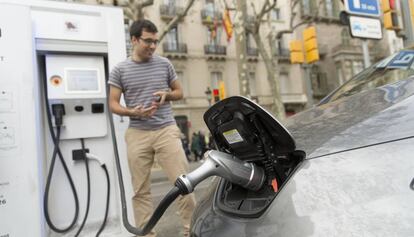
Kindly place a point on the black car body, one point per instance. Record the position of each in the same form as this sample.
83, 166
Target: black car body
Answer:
350, 170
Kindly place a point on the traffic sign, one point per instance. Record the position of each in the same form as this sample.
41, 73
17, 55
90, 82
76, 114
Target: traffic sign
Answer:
403, 60
363, 7
365, 27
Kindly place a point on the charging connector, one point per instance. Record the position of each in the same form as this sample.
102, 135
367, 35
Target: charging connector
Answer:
58, 110
79, 154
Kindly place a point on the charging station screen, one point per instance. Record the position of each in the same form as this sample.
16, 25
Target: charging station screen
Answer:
82, 80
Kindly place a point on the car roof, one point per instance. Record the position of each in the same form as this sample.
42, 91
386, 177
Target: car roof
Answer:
371, 117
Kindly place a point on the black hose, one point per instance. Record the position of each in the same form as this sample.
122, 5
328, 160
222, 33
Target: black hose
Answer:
56, 151
159, 211
88, 200
107, 201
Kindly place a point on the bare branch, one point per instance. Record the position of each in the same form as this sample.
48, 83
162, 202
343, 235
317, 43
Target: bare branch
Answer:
227, 7
140, 5
254, 9
176, 19
267, 7
271, 6
293, 13
147, 3
292, 27
128, 13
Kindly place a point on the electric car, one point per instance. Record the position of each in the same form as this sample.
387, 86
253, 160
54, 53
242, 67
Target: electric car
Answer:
342, 168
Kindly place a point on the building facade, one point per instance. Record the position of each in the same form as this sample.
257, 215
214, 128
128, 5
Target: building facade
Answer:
204, 59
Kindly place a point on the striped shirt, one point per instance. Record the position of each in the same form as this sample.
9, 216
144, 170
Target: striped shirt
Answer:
138, 81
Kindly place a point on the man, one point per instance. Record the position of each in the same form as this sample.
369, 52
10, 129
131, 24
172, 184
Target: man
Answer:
147, 81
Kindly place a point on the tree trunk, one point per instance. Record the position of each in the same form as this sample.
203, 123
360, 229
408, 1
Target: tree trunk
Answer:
240, 40
176, 19
272, 70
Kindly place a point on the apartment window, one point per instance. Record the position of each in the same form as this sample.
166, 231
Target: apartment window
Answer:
348, 70
357, 67
329, 8
285, 83
275, 14
306, 6
250, 43
213, 34
252, 84
339, 74
209, 7
280, 43
216, 79
170, 3
172, 39
184, 85
183, 82
309, 7
171, 6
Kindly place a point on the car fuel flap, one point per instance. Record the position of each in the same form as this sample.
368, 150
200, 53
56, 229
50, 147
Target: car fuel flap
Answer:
244, 129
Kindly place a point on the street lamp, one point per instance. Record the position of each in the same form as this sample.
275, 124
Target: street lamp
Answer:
208, 95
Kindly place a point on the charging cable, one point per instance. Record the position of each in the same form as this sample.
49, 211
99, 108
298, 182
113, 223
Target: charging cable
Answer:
58, 112
96, 158
88, 178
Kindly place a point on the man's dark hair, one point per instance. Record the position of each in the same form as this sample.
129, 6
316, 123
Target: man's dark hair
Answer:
142, 25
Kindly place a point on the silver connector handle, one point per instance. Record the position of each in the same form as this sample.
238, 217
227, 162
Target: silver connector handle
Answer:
224, 165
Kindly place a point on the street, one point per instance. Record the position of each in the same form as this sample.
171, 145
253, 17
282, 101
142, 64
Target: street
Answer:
170, 223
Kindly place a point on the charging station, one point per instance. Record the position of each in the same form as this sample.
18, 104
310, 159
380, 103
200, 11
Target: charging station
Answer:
58, 54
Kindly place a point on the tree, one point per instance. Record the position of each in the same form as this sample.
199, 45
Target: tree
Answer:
265, 51
133, 10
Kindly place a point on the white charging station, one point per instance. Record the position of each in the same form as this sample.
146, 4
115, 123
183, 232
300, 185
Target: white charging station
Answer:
78, 82
70, 47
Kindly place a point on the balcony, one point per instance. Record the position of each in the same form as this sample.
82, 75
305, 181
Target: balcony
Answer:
174, 50
346, 49
308, 12
167, 12
215, 51
323, 14
209, 17
330, 15
283, 55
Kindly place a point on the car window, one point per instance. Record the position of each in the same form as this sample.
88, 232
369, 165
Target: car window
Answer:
384, 72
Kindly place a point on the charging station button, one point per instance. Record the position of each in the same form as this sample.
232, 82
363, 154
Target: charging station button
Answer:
79, 108
97, 108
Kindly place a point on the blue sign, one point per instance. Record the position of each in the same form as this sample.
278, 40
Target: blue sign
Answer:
403, 60
363, 7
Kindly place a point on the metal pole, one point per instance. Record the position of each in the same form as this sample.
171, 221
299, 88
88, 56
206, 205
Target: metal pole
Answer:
367, 60
308, 85
407, 23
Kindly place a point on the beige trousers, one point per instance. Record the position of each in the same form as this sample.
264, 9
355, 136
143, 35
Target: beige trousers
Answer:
165, 146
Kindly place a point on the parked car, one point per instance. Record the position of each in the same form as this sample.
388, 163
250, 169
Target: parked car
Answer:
342, 168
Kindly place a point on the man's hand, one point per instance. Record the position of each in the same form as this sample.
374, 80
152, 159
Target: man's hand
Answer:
141, 112
162, 95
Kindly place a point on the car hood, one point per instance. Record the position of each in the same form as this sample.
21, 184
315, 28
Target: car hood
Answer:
367, 118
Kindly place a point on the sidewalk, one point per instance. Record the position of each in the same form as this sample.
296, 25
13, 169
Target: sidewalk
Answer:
158, 175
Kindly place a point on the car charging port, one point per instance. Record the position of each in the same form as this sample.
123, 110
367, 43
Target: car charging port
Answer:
236, 200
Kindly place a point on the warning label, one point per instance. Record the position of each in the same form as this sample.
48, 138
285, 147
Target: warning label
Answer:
233, 136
